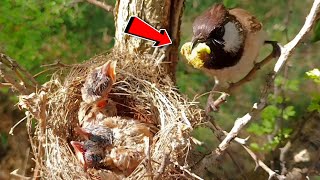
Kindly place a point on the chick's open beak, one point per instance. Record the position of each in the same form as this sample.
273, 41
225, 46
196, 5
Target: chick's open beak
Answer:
79, 151
109, 68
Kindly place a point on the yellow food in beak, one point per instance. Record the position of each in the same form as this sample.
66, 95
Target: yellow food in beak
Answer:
195, 56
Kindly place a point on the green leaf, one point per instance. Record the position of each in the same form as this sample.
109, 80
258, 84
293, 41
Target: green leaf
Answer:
286, 132
4, 140
315, 103
256, 129
272, 99
292, 85
316, 33
288, 112
279, 81
314, 75
255, 146
270, 113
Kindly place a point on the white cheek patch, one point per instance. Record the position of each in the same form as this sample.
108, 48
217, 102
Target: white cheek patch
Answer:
232, 38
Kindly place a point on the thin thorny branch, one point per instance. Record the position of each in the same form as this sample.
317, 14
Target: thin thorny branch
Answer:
100, 4
16, 76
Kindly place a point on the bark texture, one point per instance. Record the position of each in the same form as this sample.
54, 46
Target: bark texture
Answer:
164, 14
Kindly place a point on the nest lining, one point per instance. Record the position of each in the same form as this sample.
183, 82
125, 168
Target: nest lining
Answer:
143, 91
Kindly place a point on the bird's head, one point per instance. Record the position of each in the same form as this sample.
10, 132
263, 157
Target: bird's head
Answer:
88, 153
108, 70
99, 82
219, 30
99, 134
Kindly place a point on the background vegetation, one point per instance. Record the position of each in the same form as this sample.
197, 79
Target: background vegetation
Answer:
42, 32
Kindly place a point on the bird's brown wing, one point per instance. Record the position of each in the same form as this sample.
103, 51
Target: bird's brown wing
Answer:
249, 22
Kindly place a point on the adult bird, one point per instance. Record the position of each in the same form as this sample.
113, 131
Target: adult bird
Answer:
225, 45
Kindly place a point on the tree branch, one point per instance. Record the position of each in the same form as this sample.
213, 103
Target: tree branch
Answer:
288, 48
16, 76
102, 5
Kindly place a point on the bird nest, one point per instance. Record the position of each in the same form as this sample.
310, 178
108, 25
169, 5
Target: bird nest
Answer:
143, 91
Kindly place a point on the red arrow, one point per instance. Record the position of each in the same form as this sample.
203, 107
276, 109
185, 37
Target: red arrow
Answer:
137, 27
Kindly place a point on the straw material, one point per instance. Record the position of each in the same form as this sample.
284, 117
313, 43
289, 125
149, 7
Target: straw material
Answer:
142, 91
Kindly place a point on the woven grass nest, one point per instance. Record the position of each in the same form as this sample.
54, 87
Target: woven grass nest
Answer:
142, 91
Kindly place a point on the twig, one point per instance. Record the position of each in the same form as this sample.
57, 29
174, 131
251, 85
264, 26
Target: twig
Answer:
162, 167
4, 85
187, 171
213, 158
52, 66
242, 142
15, 173
11, 80
56, 64
283, 153
22, 81
288, 48
261, 164
220, 134
15, 66
25, 162
102, 5
220, 100
148, 157
11, 130
238, 125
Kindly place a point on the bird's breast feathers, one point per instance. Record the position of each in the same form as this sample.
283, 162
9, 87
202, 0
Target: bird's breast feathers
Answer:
233, 37
254, 42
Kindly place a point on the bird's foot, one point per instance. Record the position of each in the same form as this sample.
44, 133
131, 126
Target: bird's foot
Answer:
214, 105
211, 107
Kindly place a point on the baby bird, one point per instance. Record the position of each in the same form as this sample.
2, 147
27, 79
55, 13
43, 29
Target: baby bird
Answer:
100, 135
114, 143
98, 84
89, 153
95, 92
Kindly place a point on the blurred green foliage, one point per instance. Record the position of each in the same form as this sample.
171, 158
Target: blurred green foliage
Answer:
40, 32
315, 97
3, 144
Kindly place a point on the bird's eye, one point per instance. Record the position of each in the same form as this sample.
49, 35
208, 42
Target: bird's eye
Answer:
217, 33
220, 31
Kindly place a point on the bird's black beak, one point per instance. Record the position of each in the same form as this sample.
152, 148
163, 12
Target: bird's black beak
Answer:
194, 42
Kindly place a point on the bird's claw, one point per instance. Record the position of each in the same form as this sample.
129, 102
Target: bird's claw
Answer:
211, 106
